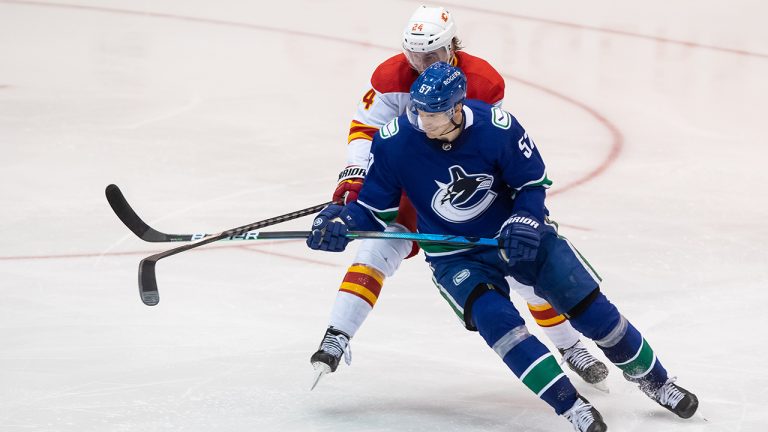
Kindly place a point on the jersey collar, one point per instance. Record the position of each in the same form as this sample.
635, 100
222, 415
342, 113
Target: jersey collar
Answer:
469, 116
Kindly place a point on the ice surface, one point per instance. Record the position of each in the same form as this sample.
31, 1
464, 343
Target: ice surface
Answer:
212, 115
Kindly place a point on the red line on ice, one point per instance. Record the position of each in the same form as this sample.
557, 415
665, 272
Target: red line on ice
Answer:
250, 248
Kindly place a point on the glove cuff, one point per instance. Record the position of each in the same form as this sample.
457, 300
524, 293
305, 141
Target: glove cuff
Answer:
346, 217
352, 171
525, 218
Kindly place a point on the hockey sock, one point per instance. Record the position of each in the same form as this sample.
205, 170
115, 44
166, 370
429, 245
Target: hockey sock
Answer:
545, 315
363, 281
504, 330
357, 295
554, 325
621, 342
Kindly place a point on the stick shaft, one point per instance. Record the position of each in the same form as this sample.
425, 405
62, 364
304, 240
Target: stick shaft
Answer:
419, 237
148, 278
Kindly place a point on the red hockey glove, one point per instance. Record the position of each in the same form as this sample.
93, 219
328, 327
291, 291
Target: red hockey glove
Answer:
350, 183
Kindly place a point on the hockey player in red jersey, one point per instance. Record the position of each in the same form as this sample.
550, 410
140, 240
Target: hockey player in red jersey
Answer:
429, 37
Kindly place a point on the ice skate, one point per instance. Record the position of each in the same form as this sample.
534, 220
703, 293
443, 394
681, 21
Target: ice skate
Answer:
672, 397
584, 417
590, 369
326, 359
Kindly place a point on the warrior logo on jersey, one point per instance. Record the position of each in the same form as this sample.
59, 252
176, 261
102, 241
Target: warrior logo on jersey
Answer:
466, 197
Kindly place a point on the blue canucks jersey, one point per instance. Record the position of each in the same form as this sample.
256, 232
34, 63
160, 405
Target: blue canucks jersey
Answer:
466, 187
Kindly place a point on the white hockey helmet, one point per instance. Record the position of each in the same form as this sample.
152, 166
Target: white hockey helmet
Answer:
429, 30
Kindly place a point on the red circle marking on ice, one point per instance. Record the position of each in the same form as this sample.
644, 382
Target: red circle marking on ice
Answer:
615, 147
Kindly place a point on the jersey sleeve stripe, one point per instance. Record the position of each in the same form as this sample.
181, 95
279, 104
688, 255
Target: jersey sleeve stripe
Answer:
383, 217
359, 130
543, 181
357, 124
360, 135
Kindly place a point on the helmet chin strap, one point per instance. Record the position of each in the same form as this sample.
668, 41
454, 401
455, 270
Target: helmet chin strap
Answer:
455, 126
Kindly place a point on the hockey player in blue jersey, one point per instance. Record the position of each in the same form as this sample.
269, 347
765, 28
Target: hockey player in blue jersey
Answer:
470, 169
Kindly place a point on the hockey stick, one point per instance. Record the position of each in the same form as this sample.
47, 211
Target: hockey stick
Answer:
147, 279
130, 219
445, 239
128, 216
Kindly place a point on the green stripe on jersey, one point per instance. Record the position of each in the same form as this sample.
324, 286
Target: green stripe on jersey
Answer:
581, 257
387, 216
458, 310
545, 182
641, 363
440, 248
542, 375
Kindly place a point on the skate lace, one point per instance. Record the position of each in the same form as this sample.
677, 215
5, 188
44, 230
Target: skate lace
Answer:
337, 345
580, 415
669, 394
579, 357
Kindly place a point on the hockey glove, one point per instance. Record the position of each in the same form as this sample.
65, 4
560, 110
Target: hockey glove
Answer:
350, 183
329, 234
519, 238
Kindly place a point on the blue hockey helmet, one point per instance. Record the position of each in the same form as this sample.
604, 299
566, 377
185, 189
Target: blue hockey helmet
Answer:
439, 88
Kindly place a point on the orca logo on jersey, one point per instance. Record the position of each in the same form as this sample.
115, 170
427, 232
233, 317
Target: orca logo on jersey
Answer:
466, 197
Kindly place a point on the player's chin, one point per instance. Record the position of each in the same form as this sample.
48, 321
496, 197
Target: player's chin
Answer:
434, 133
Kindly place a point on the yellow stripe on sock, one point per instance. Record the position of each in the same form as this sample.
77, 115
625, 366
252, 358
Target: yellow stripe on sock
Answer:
550, 322
370, 271
359, 290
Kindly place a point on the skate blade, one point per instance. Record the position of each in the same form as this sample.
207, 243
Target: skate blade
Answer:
602, 386
320, 370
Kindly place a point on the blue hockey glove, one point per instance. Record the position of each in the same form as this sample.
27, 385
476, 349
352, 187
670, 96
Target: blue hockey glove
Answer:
519, 238
328, 234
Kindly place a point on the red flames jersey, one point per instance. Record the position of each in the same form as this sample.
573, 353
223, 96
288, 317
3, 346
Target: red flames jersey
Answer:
388, 97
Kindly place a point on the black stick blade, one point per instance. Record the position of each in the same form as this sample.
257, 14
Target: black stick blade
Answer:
148, 282
128, 216
130, 219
